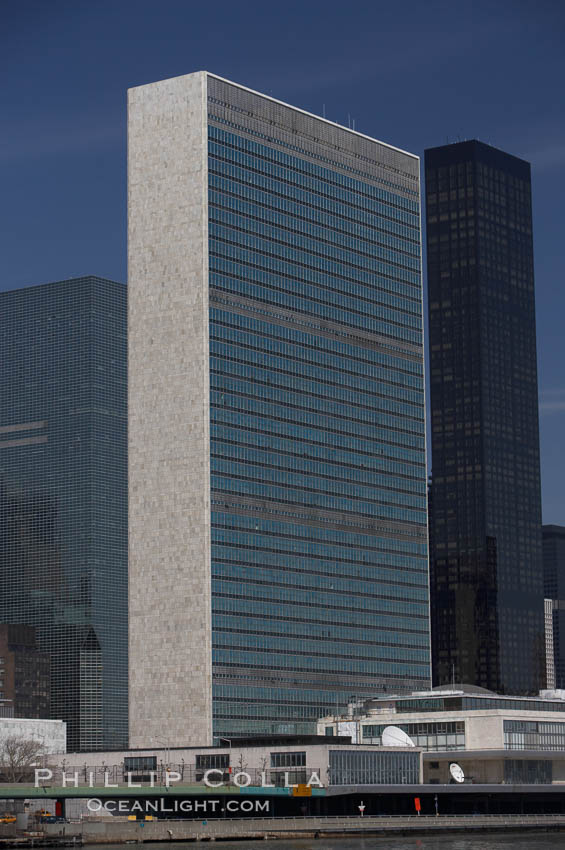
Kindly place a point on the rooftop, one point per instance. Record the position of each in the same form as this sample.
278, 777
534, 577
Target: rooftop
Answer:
459, 690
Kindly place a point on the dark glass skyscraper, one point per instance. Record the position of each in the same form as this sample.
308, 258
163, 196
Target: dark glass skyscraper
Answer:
485, 521
554, 588
63, 494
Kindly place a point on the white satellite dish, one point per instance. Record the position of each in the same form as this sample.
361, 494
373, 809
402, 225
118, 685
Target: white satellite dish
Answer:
457, 772
394, 737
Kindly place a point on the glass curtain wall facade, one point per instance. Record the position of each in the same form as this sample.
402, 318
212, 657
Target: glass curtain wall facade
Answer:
371, 767
447, 735
533, 735
63, 495
319, 584
485, 519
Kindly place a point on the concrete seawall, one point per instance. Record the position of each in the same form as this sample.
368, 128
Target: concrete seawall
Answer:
110, 831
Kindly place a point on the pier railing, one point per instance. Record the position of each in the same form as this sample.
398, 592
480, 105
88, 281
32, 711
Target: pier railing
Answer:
170, 774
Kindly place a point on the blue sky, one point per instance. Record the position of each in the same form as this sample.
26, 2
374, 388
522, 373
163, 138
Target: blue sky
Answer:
416, 75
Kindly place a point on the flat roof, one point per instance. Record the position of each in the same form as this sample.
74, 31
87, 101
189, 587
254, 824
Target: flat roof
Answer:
479, 693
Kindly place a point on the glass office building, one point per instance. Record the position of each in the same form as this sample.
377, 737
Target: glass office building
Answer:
485, 505
63, 494
279, 268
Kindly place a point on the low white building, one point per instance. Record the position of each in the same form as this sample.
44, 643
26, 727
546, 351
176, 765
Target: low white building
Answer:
275, 760
51, 734
500, 738
459, 718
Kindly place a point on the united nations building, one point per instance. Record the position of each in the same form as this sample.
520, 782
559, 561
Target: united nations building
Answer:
277, 469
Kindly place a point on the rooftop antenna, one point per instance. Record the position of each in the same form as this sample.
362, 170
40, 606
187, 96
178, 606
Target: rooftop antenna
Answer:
324, 110
354, 123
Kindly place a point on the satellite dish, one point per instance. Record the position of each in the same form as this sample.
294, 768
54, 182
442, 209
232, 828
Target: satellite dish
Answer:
457, 772
394, 737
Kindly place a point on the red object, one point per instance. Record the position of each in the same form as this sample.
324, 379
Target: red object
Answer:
58, 809
417, 805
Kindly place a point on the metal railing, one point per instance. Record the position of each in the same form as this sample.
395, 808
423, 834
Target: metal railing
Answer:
171, 774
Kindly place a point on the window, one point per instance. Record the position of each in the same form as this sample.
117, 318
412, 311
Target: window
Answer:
140, 763
140, 767
288, 759
208, 761
374, 767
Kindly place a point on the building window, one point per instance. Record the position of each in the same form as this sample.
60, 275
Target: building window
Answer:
527, 772
140, 763
533, 735
210, 761
374, 767
288, 759
140, 767
440, 735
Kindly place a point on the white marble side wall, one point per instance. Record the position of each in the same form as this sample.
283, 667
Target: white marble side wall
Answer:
169, 473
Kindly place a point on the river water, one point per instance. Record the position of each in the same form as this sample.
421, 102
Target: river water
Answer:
528, 841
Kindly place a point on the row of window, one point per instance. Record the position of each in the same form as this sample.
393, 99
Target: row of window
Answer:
271, 368
262, 549
313, 498
317, 598
286, 565
260, 171
245, 346
231, 177
221, 384
318, 631
292, 448
223, 190
305, 166
402, 182
262, 334
440, 727
236, 271
533, 735
476, 704
312, 663
310, 240
316, 581
238, 278
323, 701
371, 767
302, 219
320, 479
319, 388
320, 469
430, 736
312, 532
305, 610
296, 264
324, 431
288, 759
